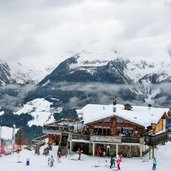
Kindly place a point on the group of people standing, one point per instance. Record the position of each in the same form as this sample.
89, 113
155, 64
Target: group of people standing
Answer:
116, 161
51, 159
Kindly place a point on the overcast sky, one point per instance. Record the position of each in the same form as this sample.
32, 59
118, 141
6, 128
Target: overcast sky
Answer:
46, 31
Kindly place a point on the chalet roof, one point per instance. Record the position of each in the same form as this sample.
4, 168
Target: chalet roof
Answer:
141, 115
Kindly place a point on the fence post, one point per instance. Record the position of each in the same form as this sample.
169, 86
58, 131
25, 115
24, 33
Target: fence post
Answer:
150, 152
93, 149
141, 151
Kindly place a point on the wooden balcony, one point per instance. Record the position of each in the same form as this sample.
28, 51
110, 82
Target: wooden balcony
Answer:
107, 139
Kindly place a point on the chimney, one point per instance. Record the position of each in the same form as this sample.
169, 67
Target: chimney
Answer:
127, 106
114, 103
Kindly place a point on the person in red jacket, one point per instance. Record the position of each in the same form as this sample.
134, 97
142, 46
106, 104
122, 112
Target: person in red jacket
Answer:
120, 157
99, 152
118, 164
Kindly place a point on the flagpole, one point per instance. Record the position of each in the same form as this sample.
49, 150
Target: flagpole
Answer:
13, 138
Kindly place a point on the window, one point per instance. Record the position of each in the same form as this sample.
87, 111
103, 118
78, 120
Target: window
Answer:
119, 121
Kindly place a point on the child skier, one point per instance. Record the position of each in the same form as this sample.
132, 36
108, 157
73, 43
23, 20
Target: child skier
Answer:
154, 163
59, 156
118, 164
120, 157
112, 161
51, 161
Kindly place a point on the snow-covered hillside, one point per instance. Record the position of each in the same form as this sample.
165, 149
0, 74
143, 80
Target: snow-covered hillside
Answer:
162, 154
40, 110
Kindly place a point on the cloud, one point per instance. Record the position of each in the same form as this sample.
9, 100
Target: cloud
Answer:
47, 31
12, 96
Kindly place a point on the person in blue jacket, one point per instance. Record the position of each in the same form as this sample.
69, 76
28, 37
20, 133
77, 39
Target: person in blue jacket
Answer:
154, 163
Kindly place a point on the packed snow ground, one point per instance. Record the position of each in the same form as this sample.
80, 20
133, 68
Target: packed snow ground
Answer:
163, 155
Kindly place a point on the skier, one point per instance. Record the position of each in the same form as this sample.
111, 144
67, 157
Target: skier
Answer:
79, 151
59, 156
37, 150
50, 146
18, 152
154, 163
108, 150
27, 161
120, 157
59, 149
118, 164
99, 152
112, 161
51, 161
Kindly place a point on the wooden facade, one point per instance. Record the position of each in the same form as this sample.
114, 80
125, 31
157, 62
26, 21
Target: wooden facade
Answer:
115, 126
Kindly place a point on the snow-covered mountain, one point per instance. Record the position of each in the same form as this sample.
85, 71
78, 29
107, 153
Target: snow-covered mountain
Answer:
98, 80
17, 73
84, 75
116, 70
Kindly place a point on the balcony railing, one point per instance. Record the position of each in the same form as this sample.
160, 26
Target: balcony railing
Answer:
126, 139
80, 137
98, 138
108, 139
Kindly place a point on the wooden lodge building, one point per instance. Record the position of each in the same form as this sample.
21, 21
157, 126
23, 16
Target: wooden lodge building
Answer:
113, 128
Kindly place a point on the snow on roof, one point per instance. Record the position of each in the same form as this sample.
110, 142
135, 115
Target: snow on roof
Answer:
141, 115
